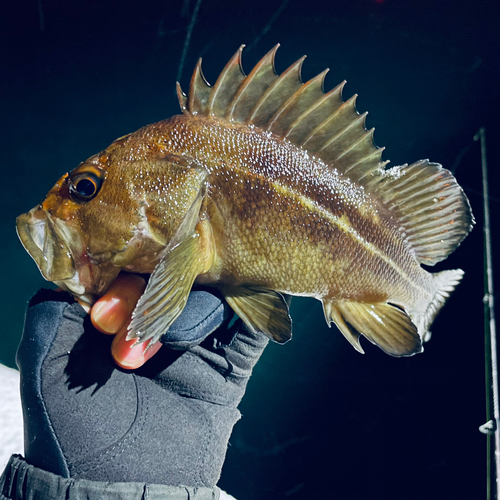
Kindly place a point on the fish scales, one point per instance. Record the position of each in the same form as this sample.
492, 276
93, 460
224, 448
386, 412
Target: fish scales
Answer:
284, 202
263, 186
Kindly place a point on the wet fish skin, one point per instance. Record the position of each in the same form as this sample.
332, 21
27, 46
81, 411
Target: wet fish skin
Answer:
241, 193
280, 203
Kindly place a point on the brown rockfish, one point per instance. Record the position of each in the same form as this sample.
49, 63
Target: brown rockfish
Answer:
263, 186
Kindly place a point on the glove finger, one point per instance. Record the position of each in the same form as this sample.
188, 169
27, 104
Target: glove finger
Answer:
204, 313
245, 348
46, 311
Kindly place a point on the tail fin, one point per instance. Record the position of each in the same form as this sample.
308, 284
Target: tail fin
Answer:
445, 282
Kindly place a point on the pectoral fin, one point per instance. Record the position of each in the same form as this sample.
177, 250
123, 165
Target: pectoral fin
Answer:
168, 290
262, 310
384, 325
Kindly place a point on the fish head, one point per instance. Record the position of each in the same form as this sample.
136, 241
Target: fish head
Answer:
119, 209
69, 235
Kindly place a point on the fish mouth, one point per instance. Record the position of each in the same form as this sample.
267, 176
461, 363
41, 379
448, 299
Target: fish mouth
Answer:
46, 240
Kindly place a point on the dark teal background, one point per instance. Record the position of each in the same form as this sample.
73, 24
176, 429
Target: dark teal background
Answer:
319, 420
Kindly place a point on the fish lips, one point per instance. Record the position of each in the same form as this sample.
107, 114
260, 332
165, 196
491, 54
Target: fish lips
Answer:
41, 237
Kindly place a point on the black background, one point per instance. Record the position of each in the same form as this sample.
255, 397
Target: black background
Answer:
319, 420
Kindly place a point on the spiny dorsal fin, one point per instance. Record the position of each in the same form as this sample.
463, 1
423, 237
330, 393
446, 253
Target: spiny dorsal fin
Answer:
322, 123
431, 207
252, 88
272, 100
199, 91
291, 109
226, 86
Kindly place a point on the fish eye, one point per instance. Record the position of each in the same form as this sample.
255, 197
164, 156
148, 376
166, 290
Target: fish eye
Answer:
85, 186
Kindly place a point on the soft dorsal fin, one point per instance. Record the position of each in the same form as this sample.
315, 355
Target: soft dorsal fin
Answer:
323, 124
430, 205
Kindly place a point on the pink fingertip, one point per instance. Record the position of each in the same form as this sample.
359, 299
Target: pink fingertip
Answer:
130, 356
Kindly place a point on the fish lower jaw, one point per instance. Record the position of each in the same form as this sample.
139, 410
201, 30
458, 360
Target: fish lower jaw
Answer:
81, 283
89, 282
73, 286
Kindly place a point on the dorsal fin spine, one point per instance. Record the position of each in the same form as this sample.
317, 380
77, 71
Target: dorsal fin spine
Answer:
346, 107
293, 71
378, 152
199, 91
379, 169
246, 83
336, 92
232, 69
182, 97
354, 144
361, 119
372, 178
300, 92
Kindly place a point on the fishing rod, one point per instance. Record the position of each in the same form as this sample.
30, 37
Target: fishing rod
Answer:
490, 428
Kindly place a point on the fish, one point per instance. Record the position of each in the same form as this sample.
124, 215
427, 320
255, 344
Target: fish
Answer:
263, 187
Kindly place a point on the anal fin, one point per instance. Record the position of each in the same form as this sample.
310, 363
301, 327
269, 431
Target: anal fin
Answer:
385, 325
262, 310
351, 335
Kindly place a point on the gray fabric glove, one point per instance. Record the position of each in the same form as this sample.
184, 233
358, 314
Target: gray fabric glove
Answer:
166, 423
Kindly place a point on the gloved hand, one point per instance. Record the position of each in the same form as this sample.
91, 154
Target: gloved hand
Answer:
111, 314
167, 422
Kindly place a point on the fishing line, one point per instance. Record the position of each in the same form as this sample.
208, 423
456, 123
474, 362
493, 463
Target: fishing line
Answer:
187, 40
460, 156
41, 18
490, 428
267, 27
